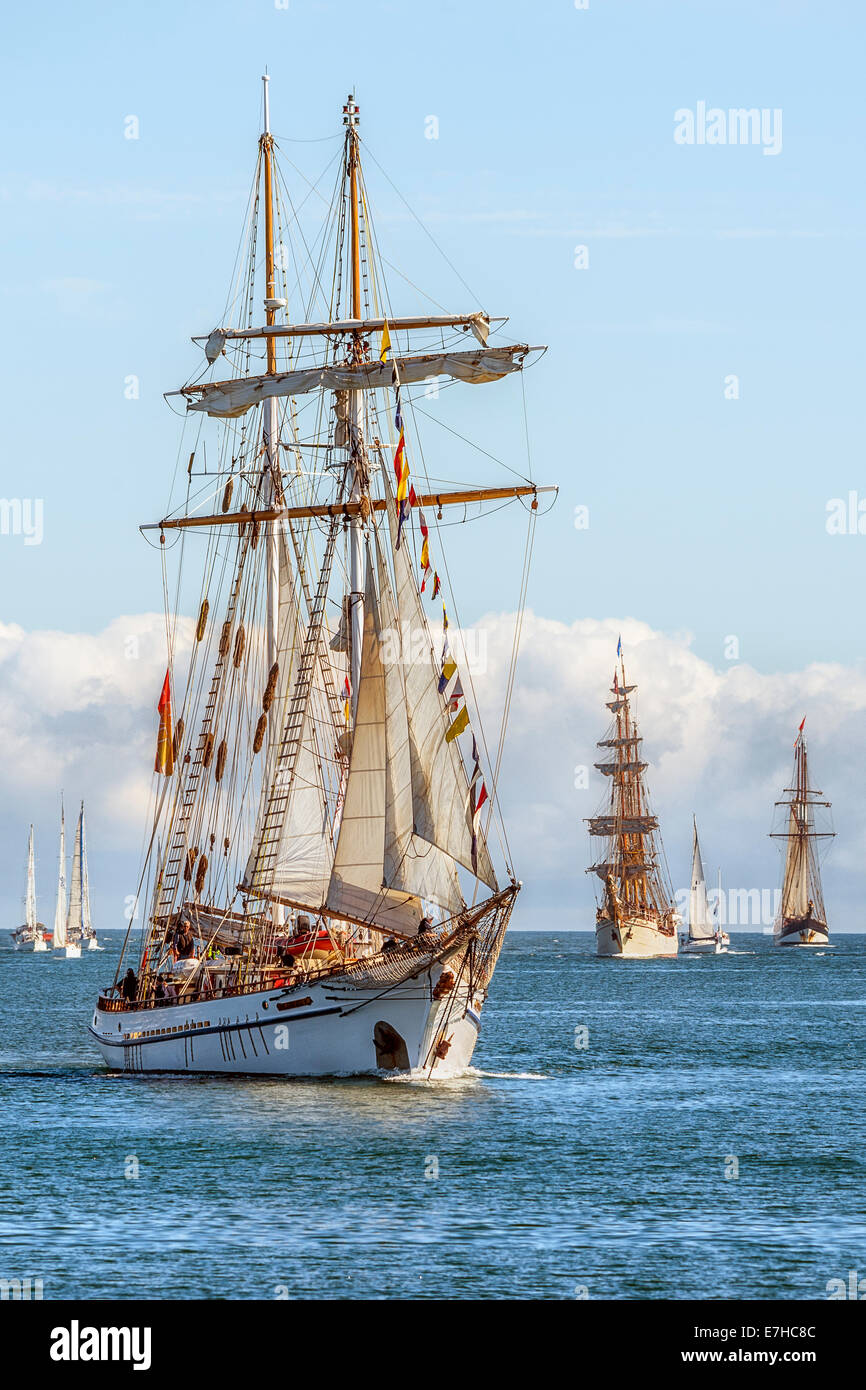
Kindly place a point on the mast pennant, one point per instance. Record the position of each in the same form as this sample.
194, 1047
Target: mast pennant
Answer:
164, 762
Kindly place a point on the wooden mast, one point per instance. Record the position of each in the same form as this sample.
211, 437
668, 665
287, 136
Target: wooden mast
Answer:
356, 415
272, 490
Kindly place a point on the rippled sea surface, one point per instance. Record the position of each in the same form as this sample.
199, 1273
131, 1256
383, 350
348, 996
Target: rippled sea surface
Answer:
606, 1167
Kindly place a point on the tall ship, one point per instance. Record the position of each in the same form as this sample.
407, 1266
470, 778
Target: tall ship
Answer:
803, 824
321, 895
704, 934
636, 918
31, 935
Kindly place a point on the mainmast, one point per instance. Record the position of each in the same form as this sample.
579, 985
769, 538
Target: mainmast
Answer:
357, 458
272, 491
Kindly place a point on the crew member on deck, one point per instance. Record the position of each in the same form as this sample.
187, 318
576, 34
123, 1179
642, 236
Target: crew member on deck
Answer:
129, 985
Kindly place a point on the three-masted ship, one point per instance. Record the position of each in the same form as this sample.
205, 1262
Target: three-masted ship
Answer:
321, 894
636, 918
802, 918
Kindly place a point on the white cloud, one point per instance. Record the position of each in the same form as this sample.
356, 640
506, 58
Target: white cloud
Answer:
78, 711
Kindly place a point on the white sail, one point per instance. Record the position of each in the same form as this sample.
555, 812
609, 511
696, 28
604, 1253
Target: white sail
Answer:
795, 888
86, 926
701, 926
30, 901
440, 787
228, 399
358, 888
411, 863
60, 909
302, 868
73, 913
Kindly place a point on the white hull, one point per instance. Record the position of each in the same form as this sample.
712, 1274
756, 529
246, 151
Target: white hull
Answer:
33, 944
636, 939
71, 952
341, 1025
709, 947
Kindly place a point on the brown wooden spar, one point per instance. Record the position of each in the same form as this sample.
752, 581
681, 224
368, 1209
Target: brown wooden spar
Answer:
377, 504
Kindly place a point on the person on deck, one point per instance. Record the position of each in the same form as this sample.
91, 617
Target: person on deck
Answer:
184, 943
129, 985
390, 945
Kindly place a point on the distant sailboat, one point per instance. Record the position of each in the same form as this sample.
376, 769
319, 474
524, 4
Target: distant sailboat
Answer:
63, 947
704, 936
79, 931
32, 935
802, 919
636, 918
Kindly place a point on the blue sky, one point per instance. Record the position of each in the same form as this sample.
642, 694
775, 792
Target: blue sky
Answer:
707, 515
556, 128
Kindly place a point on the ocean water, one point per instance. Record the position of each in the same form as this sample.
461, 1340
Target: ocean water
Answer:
551, 1171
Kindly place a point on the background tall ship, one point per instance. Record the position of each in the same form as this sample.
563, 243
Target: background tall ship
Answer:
804, 826
636, 918
321, 894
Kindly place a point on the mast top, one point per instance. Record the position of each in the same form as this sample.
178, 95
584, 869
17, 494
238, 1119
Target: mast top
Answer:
351, 112
267, 122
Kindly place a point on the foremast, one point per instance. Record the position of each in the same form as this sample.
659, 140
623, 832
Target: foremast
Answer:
630, 868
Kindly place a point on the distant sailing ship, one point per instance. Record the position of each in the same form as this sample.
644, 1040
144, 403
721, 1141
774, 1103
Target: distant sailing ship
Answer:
73, 929
322, 897
32, 936
802, 919
636, 917
704, 936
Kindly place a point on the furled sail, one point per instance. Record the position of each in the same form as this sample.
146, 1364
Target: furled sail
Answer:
440, 787
228, 399
701, 927
302, 867
60, 910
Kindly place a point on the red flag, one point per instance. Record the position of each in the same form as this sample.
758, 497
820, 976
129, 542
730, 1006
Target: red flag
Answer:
164, 762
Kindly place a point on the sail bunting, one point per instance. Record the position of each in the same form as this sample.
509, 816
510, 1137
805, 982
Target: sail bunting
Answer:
228, 399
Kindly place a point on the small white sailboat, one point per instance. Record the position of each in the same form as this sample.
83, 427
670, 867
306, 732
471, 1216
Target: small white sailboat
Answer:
63, 947
704, 936
79, 930
32, 935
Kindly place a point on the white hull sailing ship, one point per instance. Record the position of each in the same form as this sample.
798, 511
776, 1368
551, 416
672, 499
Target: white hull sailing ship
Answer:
802, 919
636, 918
322, 897
31, 936
703, 936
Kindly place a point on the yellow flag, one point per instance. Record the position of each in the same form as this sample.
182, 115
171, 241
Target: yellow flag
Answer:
458, 726
386, 342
